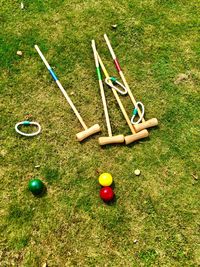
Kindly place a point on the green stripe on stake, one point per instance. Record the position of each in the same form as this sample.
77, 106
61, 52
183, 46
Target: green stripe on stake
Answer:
26, 122
135, 111
113, 79
98, 73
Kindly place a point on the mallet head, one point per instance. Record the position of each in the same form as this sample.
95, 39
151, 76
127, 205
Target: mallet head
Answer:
137, 136
90, 131
111, 140
147, 124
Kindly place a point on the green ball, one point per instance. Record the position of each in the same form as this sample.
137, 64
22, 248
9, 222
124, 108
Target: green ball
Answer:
36, 186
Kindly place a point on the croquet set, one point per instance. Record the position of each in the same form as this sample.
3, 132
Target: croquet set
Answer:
136, 122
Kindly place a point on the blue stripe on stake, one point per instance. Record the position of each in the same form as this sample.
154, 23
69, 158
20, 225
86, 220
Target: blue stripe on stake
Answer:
53, 74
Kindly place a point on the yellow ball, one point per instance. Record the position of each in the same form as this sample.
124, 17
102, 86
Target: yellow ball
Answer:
105, 179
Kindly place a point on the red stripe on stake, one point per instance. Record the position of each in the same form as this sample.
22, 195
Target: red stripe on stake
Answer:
117, 65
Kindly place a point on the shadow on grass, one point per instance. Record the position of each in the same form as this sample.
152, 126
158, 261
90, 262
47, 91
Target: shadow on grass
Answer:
146, 139
109, 146
91, 137
42, 194
112, 202
155, 128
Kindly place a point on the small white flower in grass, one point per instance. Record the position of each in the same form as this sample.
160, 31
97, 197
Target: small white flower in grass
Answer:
181, 77
37, 166
19, 53
22, 5
137, 172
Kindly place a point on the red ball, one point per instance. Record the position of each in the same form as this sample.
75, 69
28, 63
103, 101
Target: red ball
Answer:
106, 193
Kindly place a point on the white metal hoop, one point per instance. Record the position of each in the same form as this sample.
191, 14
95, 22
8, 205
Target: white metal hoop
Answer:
28, 123
108, 79
135, 113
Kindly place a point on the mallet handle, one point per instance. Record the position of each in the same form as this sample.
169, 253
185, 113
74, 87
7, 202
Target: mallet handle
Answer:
101, 89
61, 88
116, 96
72, 105
121, 73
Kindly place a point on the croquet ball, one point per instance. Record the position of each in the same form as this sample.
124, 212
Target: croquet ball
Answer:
105, 179
106, 193
36, 186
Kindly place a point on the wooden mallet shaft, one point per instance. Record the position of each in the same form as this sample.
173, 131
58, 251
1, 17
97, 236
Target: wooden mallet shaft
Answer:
145, 124
87, 131
111, 139
135, 136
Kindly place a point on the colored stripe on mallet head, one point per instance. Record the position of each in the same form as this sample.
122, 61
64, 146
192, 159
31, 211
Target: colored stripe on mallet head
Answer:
87, 131
145, 124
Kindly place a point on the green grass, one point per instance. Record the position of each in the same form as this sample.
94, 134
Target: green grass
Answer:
155, 218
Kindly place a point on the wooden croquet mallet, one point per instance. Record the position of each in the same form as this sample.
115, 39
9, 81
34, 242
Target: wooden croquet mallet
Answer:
135, 136
87, 131
145, 124
110, 139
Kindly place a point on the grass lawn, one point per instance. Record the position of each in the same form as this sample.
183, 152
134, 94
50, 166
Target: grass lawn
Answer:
155, 218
